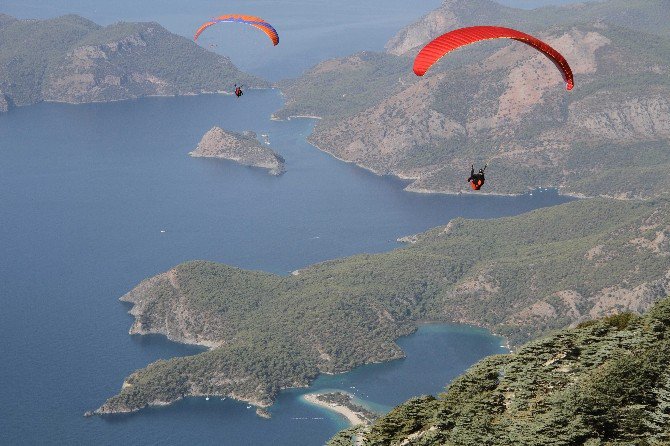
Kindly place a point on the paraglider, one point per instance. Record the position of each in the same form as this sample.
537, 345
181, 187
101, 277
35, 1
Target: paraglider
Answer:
458, 38
238, 90
446, 43
476, 180
256, 22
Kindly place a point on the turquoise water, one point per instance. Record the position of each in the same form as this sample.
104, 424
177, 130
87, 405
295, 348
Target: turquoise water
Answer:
85, 192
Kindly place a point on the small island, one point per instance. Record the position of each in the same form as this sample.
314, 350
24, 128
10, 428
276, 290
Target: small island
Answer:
344, 404
243, 148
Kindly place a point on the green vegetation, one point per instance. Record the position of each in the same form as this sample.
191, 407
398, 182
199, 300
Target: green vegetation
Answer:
522, 277
72, 59
29, 47
344, 87
606, 382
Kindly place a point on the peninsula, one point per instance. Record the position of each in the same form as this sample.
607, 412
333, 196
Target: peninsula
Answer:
73, 60
521, 277
243, 148
343, 404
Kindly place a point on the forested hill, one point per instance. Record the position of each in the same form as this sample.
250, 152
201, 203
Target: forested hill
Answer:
71, 59
640, 15
505, 104
606, 382
521, 277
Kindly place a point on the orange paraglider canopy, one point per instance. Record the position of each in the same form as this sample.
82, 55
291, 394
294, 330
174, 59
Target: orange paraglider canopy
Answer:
452, 40
254, 21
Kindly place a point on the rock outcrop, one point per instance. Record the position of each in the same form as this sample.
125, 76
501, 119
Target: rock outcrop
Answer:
451, 14
243, 148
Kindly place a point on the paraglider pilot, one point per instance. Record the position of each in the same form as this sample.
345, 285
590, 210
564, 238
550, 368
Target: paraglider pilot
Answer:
238, 91
476, 180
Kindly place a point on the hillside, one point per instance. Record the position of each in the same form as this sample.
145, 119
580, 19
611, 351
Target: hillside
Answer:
606, 382
503, 104
639, 15
521, 277
71, 59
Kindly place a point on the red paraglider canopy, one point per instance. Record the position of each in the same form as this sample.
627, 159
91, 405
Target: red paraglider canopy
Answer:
452, 40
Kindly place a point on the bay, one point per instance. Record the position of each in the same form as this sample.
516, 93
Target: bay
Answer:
85, 193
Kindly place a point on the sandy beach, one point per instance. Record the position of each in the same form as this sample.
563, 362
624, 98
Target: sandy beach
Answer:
351, 416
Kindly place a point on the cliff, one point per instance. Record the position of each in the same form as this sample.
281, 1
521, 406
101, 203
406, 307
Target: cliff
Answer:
71, 59
521, 277
503, 103
243, 148
604, 382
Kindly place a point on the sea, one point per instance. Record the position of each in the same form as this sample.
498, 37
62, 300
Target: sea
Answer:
94, 198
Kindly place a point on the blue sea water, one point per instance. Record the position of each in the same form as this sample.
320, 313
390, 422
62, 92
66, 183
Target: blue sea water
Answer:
85, 193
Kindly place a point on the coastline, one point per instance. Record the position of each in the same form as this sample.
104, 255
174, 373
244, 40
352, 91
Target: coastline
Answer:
274, 117
352, 417
135, 98
418, 190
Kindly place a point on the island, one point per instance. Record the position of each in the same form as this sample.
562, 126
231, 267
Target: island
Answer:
243, 148
74, 60
263, 413
343, 404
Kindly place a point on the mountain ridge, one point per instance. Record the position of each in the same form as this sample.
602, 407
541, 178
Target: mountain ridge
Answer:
503, 104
